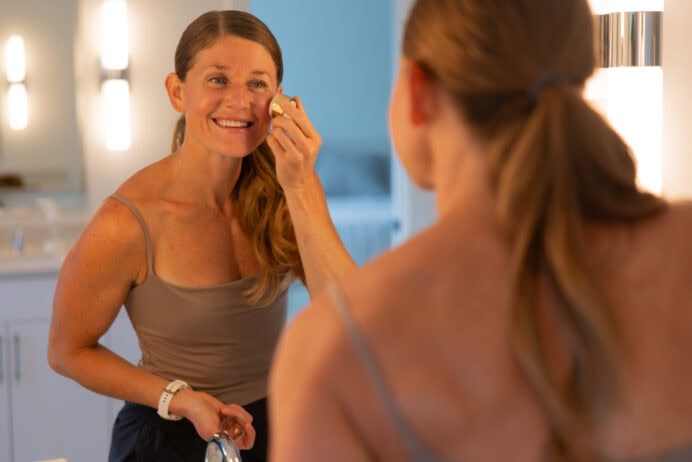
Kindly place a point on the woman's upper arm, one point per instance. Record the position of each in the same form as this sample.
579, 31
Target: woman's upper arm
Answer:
96, 276
309, 419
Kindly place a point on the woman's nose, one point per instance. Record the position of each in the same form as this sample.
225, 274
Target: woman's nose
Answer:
237, 96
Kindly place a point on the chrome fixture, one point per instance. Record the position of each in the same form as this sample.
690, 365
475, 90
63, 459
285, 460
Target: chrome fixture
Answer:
629, 38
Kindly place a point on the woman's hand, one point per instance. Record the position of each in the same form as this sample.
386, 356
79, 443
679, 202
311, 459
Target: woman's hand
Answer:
201, 409
295, 144
206, 413
244, 437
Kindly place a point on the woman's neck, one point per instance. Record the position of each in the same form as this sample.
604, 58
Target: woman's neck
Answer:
459, 165
204, 180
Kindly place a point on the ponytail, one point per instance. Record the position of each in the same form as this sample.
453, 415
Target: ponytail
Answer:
178, 133
553, 170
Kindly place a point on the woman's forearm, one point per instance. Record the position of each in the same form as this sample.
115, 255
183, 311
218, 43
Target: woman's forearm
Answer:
323, 253
102, 371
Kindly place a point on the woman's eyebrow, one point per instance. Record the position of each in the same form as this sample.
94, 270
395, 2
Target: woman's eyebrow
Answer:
257, 72
261, 73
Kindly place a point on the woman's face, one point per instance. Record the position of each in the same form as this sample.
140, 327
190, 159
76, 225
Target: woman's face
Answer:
226, 96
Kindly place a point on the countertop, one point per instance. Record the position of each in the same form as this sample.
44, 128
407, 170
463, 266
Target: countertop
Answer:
35, 240
20, 265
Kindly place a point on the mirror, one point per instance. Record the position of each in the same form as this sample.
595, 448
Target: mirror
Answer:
45, 158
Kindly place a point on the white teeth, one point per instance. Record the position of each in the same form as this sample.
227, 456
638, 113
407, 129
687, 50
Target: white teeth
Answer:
232, 123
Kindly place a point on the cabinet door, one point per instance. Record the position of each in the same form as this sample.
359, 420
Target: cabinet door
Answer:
52, 416
5, 412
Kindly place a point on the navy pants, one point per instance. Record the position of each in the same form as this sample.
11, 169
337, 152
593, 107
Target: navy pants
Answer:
140, 435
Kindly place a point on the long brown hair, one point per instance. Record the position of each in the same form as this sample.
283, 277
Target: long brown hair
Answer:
260, 202
516, 69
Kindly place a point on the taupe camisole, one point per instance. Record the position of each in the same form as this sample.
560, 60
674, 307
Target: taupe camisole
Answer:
205, 336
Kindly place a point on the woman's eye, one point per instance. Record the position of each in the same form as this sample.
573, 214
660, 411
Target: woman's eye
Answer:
218, 80
258, 84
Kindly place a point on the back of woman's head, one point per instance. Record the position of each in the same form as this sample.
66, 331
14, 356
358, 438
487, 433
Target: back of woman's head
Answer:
499, 48
516, 71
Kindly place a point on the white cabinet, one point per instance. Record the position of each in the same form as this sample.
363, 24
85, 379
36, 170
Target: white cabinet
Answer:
5, 415
42, 414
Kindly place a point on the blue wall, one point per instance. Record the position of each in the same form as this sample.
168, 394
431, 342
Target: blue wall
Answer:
337, 58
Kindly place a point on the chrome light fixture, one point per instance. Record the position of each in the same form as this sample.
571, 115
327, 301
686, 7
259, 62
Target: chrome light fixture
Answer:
629, 38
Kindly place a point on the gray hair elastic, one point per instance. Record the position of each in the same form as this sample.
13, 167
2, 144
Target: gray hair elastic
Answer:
546, 79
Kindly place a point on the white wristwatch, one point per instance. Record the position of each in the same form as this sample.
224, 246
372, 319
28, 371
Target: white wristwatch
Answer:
171, 389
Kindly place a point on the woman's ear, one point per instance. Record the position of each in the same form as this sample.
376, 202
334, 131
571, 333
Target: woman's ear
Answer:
423, 94
174, 88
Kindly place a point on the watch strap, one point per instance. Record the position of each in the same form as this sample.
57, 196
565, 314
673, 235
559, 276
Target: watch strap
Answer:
167, 395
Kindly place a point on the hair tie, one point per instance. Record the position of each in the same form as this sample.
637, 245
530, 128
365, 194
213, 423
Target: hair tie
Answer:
548, 78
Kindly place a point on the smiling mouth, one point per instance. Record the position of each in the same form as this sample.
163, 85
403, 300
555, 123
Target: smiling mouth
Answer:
232, 123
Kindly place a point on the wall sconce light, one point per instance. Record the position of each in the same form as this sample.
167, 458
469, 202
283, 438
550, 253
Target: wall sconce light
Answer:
115, 85
628, 86
15, 72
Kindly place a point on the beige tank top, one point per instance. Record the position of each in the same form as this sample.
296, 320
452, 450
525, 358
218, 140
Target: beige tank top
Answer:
206, 336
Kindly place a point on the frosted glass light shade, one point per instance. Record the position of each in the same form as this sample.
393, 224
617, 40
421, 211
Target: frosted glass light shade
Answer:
17, 106
114, 35
15, 59
115, 94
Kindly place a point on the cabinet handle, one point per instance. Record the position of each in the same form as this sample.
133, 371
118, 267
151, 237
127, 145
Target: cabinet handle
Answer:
2, 359
17, 358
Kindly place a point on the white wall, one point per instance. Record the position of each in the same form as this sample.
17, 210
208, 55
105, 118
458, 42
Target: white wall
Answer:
155, 27
677, 98
50, 143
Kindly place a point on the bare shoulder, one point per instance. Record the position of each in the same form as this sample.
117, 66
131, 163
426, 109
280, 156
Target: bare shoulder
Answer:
112, 243
679, 215
146, 182
114, 222
667, 232
450, 261
308, 343
306, 406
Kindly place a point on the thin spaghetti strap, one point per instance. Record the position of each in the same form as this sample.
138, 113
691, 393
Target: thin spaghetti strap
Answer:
415, 449
147, 238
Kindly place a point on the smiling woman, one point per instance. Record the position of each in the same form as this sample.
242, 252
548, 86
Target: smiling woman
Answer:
224, 96
200, 247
